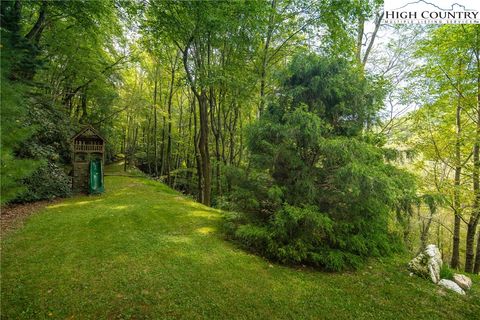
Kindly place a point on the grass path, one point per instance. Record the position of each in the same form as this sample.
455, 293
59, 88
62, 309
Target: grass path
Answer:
142, 251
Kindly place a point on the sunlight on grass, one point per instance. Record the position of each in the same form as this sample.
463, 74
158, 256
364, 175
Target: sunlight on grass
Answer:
206, 230
68, 204
125, 192
204, 214
60, 205
120, 207
176, 239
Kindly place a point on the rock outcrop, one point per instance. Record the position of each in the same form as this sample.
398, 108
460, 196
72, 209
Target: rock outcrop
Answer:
427, 264
462, 281
450, 285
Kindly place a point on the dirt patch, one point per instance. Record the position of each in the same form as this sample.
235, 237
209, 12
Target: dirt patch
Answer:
13, 216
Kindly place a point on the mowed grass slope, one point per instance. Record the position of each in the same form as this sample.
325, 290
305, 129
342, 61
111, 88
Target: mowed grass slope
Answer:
143, 251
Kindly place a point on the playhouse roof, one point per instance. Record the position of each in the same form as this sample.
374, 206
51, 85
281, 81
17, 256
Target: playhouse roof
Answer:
88, 131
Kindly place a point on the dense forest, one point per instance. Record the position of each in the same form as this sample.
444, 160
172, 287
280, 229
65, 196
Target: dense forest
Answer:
328, 136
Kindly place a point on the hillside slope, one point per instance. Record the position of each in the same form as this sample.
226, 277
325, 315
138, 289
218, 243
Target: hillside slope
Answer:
143, 251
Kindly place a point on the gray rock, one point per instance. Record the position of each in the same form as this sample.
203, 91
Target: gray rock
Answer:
427, 264
463, 281
450, 285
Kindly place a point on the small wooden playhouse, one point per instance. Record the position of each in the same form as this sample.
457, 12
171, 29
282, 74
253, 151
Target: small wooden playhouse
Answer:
88, 152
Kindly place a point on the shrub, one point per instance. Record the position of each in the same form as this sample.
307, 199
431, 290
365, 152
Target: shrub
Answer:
253, 236
446, 272
297, 235
48, 182
13, 114
318, 191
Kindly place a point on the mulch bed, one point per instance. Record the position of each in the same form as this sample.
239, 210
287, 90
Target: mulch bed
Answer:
13, 216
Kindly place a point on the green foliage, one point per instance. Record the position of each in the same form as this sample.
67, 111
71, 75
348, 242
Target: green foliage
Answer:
446, 272
251, 192
445, 131
434, 201
333, 189
13, 133
253, 236
58, 70
293, 235
48, 182
14, 130
51, 143
335, 90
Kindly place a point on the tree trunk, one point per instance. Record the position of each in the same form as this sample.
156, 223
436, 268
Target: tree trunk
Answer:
155, 123
187, 149
475, 216
216, 128
360, 32
240, 147
264, 62
162, 148
232, 129
169, 111
470, 243
180, 147
204, 150
147, 145
35, 33
425, 231
205, 174
407, 228
84, 103
134, 144
476, 267
198, 159
125, 149
456, 193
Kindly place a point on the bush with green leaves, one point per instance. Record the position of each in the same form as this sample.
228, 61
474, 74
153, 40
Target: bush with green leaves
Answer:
446, 272
35, 132
334, 191
50, 143
13, 114
48, 182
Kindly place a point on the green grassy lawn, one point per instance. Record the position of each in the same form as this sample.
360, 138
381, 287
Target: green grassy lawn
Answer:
143, 251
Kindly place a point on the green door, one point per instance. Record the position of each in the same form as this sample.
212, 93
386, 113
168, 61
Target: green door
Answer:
96, 176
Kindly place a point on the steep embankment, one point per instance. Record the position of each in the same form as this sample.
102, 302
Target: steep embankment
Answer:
143, 251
